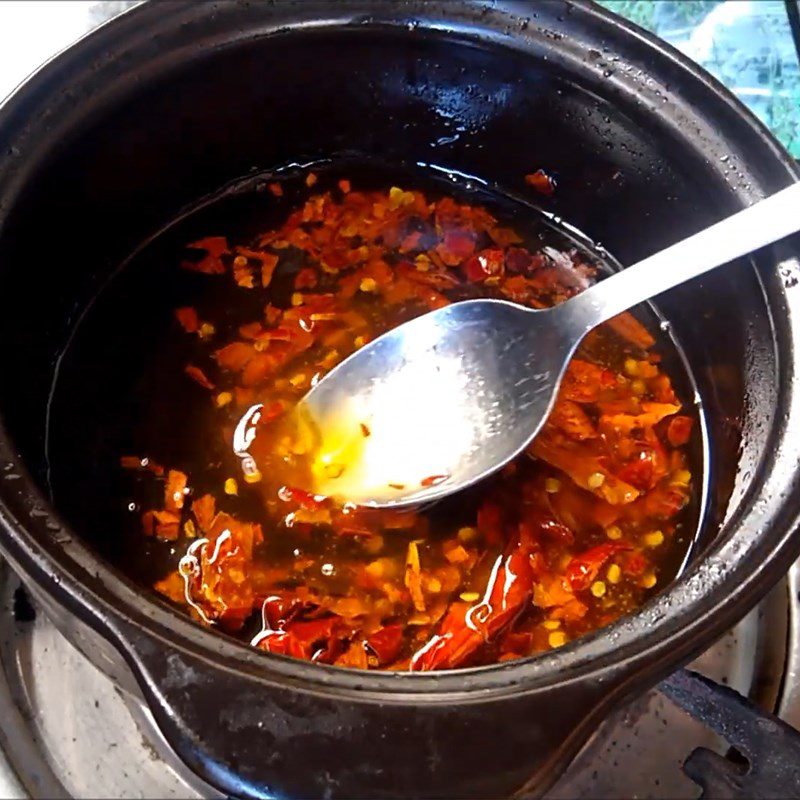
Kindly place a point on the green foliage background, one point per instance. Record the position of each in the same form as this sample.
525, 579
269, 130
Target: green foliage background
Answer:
782, 110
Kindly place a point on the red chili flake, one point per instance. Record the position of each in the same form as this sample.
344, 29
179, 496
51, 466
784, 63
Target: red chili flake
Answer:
268, 263
272, 314
163, 524
271, 412
548, 527
456, 246
503, 237
433, 480
187, 317
411, 242
276, 189
210, 264
344, 186
583, 568
639, 473
386, 643
234, 356
304, 499
679, 430
134, 462
174, 493
250, 330
196, 374
278, 335
628, 327
520, 260
243, 273
244, 395
635, 564
485, 264
490, 522
305, 279
311, 179
258, 369
365, 430
204, 509
543, 183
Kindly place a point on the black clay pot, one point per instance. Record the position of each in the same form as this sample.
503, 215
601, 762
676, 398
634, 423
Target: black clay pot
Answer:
172, 100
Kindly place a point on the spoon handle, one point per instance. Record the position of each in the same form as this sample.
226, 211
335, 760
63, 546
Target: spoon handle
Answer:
745, 231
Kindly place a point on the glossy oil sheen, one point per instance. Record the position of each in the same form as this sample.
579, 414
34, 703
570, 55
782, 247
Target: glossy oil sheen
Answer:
121, 389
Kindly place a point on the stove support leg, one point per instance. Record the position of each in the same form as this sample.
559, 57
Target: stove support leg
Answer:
770, 746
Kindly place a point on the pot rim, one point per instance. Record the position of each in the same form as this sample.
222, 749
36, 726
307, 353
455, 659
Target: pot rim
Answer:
710, 595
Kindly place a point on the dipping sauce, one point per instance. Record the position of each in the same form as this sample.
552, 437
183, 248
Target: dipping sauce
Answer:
578, 531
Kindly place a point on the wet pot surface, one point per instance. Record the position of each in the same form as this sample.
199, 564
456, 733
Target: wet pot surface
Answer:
162, 108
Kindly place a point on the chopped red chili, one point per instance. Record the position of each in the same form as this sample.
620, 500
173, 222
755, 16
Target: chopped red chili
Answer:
543, 183
570, 536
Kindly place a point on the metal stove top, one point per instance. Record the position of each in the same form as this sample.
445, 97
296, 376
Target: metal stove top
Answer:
67, 731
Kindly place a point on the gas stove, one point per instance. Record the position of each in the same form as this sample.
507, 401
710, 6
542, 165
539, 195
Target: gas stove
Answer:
67, 731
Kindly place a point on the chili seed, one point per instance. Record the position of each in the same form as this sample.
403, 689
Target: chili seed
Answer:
469, 597
596, 480
252, 477
206, 330
552, 485
223, 398
368, 285
551, 624
649, 581
653, 539
297, 299
434, 585
237, 576
614, 573
557, 639
682, 477
638, 387
375, 569
631, 366
467, 534
598, 588
231, 486
189, 529
613, 532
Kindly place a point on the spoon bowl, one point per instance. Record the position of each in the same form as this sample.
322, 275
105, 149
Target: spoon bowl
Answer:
446, 397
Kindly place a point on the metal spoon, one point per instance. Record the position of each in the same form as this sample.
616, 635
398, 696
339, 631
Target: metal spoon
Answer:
448, 398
